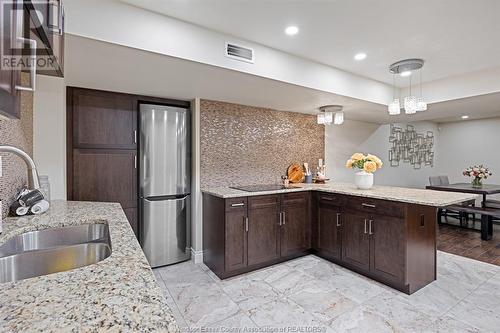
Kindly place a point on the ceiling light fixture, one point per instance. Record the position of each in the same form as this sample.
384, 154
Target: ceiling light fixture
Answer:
360, 56
292, 30
465, 117
411, 104
331, 114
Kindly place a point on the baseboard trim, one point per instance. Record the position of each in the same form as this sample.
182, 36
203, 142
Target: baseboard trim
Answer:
196, 256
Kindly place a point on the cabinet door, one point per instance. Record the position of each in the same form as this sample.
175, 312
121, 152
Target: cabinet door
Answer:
263, 229
131, 214
387, 252
9, 77
103, 120
355, 241
235, 240
295, 229
105, 175
329, 232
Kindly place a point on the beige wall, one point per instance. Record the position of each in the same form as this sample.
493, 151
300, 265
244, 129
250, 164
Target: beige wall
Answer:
49, 122
243, 145
17, 133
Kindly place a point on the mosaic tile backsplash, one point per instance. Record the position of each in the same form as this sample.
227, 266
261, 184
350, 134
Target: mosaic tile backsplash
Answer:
244, 145
17, 133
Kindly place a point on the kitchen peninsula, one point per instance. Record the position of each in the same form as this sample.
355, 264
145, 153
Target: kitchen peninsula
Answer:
385, 233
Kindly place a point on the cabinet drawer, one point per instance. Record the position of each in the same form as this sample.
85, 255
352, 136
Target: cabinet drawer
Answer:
295, 198
331, 199
236, 204
264, 201
375, 206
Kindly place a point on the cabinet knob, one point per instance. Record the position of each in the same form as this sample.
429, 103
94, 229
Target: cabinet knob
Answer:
366, 227
246, 223
241, 204
338, 220
368, 205
370, 232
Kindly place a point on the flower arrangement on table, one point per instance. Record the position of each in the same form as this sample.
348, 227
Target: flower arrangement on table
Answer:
478, 173
367, 164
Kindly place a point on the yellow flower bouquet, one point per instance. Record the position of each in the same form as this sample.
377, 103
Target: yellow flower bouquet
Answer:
368, 163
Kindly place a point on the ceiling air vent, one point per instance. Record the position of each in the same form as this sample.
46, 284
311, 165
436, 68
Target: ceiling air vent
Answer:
239, 52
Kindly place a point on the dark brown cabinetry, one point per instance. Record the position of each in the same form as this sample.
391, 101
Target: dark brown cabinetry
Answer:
329, 227
10, 77
391, 242
258, 231
356, 242
263, 229
295, 225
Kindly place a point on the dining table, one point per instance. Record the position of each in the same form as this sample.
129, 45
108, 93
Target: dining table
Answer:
484, 190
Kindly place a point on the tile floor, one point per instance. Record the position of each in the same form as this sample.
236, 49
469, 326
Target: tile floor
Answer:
314, 294
468, 243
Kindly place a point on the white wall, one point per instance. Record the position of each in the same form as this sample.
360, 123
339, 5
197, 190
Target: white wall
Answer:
355, 136
466, 143
49, 132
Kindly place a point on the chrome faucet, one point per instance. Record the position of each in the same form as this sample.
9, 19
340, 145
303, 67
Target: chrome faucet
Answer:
33, 182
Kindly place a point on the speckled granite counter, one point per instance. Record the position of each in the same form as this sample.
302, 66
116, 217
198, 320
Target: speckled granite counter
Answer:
117, 294
401, 194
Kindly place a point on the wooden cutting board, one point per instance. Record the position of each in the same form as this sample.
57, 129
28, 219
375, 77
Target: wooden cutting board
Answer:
295, 173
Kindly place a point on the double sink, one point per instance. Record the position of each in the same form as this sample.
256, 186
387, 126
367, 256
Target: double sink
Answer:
48, 251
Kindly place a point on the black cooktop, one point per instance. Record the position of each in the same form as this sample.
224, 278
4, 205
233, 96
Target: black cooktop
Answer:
259, 188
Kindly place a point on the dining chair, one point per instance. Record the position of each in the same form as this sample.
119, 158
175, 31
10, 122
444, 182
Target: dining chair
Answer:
461, 216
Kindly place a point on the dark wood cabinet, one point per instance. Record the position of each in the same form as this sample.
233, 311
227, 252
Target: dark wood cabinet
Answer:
329, 232
391, 242
356, 241
387, 252
103, 120
295, 224
263, 229
10, 77
132, 217
47, 27
105, 175
236, 228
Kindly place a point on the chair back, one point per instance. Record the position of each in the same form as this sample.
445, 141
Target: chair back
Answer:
435, 181
444, 180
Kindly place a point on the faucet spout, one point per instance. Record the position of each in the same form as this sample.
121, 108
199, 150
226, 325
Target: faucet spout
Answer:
33, 182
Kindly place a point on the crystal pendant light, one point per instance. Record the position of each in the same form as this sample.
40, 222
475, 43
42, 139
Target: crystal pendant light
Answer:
328, 118
421, 104
338, 118
410, 104
395, 107
321, 119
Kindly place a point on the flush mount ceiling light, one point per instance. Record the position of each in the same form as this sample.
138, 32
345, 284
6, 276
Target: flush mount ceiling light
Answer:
292, 30
331, 114
411, 104
360, 56
465, 117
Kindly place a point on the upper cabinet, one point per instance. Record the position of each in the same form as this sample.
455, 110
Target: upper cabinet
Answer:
32, 40
46, 26
10, 50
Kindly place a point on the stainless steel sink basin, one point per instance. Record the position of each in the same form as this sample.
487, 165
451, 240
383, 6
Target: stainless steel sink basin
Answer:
54, 237
54, 250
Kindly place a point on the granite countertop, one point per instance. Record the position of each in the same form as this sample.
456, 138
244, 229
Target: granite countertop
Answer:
117, 294
401, 194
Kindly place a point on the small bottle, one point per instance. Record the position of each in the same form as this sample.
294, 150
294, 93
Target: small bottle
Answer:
45, 187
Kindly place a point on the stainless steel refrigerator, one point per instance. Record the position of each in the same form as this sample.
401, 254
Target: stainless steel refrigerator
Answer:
164, 183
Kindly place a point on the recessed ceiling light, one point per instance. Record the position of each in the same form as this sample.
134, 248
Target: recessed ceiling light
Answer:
291, 30
405, 73
465, 117
360, 56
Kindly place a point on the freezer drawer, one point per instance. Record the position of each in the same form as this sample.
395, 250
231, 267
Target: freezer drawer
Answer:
164, 151
165, 230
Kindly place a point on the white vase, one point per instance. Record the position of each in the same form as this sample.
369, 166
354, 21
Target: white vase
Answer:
363, 180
